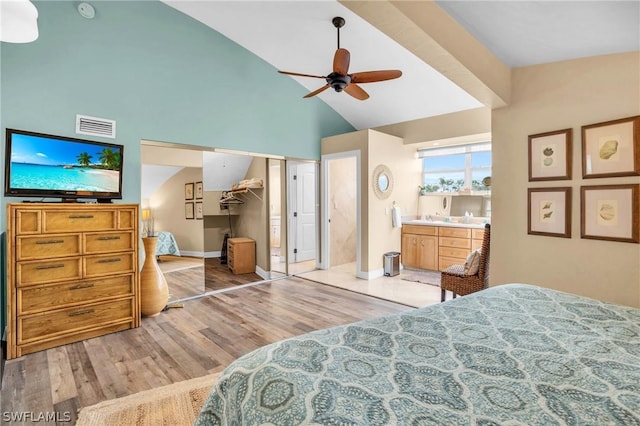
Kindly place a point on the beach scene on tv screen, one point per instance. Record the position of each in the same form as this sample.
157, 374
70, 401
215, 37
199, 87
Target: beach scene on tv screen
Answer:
52, 164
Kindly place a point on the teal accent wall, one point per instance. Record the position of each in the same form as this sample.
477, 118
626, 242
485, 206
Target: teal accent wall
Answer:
162, 76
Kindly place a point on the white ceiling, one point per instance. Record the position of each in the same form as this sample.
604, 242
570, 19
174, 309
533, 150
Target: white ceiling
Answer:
298, 36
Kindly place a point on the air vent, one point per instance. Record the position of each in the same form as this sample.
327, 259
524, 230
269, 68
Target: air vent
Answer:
95, 126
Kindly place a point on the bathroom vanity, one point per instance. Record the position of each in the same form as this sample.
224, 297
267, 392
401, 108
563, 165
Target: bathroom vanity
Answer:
437, 245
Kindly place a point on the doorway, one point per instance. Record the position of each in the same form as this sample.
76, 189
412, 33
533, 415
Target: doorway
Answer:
341, 232
302, 214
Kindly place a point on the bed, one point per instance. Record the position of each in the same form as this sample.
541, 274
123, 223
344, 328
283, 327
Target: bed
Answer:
511, 354
167, 244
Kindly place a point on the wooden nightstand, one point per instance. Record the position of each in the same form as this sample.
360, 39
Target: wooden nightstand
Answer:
241, 255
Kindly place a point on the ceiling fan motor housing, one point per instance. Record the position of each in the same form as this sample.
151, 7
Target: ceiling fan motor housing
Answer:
338, 81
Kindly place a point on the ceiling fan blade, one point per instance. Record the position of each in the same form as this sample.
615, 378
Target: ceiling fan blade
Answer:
356, 91
301, 75
341, 61
315, 92
373, 76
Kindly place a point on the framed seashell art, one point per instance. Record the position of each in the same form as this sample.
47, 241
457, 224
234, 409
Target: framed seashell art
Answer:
611, 148
550, 155
549, 212
610, 212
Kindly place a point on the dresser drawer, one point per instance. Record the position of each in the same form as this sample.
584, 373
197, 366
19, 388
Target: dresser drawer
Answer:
47, 246
49, 271
459, 253
78, 220
40, 298
108, 242
455, 232
109, 264
65, 321
455, 242
27, 222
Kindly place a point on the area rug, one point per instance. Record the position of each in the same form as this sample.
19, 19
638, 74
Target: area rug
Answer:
424, 277
171, 405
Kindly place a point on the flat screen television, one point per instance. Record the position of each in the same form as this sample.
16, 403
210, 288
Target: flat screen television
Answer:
39, 165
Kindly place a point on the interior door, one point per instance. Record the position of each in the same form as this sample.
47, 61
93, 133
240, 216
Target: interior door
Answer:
303, 182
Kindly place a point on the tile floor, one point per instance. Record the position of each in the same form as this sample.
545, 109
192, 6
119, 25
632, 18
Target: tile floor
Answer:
389, 288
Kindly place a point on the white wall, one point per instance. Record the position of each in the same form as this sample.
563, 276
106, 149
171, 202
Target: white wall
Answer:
551, 97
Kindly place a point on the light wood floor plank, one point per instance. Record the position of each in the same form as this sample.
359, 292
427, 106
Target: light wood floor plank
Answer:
203, 337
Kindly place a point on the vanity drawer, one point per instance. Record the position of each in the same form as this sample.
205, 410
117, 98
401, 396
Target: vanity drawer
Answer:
477, 234
459, 253
78, 221
40, 298
445, 262
455, 242
108, 264
69, 320
108, 242
50, 271
47, 246
419, 229
455, 232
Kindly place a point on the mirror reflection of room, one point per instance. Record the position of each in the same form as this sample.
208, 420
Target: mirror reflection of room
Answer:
182, 190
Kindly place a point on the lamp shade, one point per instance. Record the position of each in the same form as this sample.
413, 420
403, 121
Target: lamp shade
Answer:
18, 21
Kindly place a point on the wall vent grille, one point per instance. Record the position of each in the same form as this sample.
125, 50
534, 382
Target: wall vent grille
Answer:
95, 126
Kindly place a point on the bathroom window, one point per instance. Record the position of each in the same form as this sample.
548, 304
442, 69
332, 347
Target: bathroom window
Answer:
457, 168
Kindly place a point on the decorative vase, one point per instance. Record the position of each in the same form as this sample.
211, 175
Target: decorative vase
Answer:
154, 292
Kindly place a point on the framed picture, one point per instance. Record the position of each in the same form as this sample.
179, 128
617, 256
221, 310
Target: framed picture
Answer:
199, 214
611, 148
188, 191
550, 155
188, 211
199, 191
549, 212
610, 212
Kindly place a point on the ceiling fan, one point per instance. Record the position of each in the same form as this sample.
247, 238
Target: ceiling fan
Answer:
340, 79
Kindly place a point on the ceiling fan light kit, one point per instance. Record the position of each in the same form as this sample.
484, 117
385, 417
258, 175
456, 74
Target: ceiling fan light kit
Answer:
340, 79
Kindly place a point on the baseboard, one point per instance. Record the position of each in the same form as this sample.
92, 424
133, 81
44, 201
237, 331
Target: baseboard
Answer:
263, 274
192, 253
212, 254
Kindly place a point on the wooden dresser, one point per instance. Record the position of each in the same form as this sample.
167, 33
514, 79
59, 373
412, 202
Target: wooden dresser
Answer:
241, 255
72, 273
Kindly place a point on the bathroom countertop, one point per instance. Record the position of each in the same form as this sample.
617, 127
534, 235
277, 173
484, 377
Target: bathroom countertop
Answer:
443, 223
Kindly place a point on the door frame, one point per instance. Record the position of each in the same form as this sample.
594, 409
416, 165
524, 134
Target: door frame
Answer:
325, 220
292, 198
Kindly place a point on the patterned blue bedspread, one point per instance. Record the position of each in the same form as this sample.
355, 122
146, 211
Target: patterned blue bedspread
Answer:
167, 244
512, 354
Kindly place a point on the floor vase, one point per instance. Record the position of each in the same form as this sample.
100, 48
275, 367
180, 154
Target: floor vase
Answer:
154, 292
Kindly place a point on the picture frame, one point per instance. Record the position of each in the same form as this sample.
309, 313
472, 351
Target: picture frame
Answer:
199, 192
188, 211
549, 212
610, 212
199, 211
611, 148
188, 191
550, 155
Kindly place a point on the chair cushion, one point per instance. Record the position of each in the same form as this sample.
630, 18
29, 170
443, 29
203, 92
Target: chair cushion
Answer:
472, 264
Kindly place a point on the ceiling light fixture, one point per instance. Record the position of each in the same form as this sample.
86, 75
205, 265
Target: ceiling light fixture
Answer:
18, 21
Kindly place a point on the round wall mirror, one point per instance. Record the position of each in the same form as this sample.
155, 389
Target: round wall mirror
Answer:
382, 181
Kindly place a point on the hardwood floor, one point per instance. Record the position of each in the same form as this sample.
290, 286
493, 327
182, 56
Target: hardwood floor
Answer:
203, 337
218, 276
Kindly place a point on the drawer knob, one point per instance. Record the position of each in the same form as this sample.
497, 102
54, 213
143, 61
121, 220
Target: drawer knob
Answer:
80, 286
114, 259
84, 312
57, 265
80, 216
115, 237
50, 242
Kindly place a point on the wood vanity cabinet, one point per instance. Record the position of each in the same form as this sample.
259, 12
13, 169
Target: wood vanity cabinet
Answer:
420, 246
72, 273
